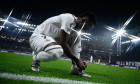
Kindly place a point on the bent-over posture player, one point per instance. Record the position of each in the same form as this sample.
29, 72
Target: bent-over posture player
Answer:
56, 36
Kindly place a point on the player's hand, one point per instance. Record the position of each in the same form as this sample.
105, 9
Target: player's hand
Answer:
80, 65
85, 64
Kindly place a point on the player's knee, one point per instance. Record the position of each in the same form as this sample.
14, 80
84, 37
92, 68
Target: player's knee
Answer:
54, 51
57, 53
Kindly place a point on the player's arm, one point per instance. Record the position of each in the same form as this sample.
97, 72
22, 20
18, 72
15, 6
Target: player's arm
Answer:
64, 37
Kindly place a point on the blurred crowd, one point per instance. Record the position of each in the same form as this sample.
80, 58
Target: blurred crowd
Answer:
12, 44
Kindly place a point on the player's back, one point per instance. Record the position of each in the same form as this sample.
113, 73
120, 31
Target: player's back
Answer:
52, 26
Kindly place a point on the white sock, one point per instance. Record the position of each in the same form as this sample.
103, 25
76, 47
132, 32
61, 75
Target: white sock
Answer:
43, 56
49, 55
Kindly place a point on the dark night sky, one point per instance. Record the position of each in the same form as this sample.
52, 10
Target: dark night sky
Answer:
110, 13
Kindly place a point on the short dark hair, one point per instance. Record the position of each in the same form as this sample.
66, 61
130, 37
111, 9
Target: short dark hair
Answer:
90, 15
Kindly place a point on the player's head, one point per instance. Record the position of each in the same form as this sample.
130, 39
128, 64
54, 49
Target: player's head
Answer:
88, 18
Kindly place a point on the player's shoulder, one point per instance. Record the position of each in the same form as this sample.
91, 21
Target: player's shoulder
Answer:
67, 15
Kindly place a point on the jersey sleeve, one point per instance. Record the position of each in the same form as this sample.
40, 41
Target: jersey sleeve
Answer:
67, 23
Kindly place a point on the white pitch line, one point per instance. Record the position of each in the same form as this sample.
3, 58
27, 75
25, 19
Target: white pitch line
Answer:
42, 79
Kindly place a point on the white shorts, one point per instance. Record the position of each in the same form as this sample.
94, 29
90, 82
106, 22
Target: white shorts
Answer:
38, 42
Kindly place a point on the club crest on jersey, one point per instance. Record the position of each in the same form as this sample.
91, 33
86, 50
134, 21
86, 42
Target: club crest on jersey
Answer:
72, 25
47, 39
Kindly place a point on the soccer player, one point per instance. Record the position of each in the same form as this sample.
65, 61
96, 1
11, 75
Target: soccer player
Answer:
57, 35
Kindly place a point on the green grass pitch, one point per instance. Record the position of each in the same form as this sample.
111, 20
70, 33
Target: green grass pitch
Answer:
20, 64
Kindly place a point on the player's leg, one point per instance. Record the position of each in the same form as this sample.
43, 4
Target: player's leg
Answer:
48, 50
76, 49
35, 66
74, 69
50, 54
45, 56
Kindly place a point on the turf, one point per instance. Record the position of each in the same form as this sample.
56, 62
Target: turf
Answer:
20, 64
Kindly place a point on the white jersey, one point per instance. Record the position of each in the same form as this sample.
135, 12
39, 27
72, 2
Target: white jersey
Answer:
52, 26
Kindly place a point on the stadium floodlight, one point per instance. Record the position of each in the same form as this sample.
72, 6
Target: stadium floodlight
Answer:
120, 32
22, 23
1, 26
124, 34
80, 33
86, 34
135, 40
8, 17
126, 42
5, 21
